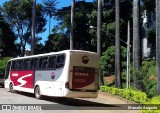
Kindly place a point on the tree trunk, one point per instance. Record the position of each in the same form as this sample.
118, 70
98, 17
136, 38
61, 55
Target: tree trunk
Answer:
33, 26
158, 43
117, 46
136, 41
72, 25
99, 13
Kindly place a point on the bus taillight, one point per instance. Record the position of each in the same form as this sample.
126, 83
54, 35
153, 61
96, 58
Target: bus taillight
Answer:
67, 85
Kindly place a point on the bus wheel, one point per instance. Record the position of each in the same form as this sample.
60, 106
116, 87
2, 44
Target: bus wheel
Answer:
37, 93
2, 85
11, 88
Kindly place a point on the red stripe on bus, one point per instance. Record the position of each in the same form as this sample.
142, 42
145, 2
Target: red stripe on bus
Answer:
22, 78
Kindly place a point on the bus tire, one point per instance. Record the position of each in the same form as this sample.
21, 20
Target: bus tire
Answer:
11, 88
37, 93
2, 85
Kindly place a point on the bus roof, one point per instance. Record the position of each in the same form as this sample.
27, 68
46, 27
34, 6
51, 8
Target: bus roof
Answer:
51, 53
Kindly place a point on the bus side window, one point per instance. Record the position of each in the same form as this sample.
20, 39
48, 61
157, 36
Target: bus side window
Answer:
44, 63
20, 64
26, 64
7, 70
32, 64
52, 62
60, 61
13, 65
36, 63
40, 62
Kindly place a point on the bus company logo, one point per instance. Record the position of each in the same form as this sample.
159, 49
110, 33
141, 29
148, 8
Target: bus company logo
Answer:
53, 75
23, 82
15, 74
85, 59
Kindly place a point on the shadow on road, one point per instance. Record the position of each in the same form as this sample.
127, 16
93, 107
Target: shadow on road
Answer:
74, 102
77, 102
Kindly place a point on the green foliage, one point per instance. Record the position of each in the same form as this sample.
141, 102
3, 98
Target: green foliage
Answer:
146, 77
130, 94
151, 88
19, 15
56, 42
155, 101
49, 7
86, 16
7, 46
82, 38
136, 96
107, 62
3, 63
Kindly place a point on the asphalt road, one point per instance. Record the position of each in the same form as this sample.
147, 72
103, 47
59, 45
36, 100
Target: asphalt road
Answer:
26, 103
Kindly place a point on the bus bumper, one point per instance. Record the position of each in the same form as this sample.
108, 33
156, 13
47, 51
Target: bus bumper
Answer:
80, 94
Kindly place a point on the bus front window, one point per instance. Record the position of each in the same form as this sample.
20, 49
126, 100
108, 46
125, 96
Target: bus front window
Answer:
7, 70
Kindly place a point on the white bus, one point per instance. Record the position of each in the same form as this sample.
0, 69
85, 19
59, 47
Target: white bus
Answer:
68, 73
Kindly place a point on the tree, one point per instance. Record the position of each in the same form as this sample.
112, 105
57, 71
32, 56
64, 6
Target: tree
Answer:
99, 13
7, 40
40, 48
50, 9
158, 43
86, 16
136, 41
19, 15
82, 38
107, 62
33, 27
56, 42
117, 46
72, 24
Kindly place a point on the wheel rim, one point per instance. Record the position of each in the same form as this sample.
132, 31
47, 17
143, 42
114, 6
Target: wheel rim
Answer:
11, 87
37, 92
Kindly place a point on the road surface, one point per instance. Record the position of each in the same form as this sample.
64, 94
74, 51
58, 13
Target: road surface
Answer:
26, 103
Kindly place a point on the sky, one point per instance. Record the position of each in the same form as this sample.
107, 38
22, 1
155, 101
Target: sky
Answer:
62, 3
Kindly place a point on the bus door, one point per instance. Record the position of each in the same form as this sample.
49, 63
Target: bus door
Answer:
7, 73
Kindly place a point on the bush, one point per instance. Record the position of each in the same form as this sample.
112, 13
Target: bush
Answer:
136, 96
154, 101
146, 78
130, 94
